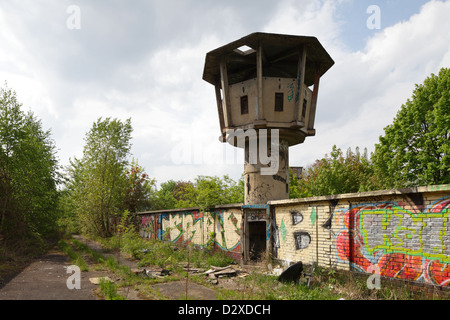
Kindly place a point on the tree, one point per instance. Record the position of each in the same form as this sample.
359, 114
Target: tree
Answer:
163, 198
204, 192
415, 147
185, 194
98, 181
28, 172
208, 191
139, 188
334, 174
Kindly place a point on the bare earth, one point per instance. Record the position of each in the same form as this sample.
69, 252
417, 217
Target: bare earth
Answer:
46, 279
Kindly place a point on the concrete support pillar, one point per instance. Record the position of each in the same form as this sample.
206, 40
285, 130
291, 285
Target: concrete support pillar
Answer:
261, 187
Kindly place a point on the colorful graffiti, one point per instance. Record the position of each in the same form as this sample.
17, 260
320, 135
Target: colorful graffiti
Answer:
183, 227
406, 244
194, 227
147, 227
227, 231
302, 239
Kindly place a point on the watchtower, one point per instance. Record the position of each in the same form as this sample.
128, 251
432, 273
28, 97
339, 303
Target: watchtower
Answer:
266, 91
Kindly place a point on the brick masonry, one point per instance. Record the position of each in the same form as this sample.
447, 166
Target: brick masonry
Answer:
400, 234
220, 227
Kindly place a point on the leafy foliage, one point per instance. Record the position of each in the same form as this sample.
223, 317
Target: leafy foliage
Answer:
415, 147
98, 185
139, 188
28, 171
334, 174
413, 151
204, 192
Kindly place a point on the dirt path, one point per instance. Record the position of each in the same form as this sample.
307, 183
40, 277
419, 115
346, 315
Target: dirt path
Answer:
46, 279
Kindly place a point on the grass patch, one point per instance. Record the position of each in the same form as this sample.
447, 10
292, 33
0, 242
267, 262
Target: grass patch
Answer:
109, 290
166, 254
326, 284
259, 286
73, 255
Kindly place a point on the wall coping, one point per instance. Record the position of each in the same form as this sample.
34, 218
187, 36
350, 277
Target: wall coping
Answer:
217, 207
169, 210
378, 193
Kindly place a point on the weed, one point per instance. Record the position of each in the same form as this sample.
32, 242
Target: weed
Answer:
109, 289
325, 283
74, 256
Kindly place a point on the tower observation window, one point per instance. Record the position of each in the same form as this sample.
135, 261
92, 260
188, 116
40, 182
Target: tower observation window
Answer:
279, 101
244, 105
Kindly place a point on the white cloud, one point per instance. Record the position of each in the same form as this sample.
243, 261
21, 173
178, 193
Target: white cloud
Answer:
362, 93
146, 62
309, 18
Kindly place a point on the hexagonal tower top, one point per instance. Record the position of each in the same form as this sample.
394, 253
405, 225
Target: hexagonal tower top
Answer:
262, 81
280, 51
267, 83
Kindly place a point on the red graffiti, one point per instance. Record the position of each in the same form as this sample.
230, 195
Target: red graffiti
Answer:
350, 246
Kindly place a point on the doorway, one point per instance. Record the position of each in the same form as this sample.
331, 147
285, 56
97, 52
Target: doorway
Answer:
257, 239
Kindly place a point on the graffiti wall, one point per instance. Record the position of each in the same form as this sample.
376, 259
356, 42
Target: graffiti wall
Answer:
404, 235
221, 227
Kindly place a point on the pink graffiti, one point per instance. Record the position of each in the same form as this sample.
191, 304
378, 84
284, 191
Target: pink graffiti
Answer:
351, 246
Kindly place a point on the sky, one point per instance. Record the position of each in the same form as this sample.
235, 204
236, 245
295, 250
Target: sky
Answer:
73, 62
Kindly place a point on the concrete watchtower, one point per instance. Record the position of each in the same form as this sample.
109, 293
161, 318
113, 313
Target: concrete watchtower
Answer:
266, 90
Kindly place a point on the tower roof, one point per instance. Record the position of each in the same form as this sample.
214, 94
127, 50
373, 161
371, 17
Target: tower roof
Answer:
280, 58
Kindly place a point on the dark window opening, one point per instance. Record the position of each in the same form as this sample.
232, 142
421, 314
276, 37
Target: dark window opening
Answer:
279, 101
304, 109
244, 105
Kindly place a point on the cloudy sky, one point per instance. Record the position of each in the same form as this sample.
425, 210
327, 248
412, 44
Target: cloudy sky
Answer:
72, 62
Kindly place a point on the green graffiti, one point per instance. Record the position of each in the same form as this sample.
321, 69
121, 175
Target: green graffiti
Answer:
283, 231
397, 230
313, 216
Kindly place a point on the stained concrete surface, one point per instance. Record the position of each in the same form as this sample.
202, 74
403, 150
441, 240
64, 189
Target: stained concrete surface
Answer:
46, 279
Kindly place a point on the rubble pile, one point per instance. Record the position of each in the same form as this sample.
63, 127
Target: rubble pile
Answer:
213, 273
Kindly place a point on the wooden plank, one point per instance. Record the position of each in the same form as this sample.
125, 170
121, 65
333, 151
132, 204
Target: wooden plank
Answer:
226, 93
299, 94
312, 114
259, 74
220, 108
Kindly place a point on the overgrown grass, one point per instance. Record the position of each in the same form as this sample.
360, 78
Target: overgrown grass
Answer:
259, 286
97, 257
109, 289
166, 254
326, 284
73, 255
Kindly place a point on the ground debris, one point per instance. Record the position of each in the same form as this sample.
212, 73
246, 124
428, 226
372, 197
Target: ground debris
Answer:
193, 270
98, 280
214, 273
151, 273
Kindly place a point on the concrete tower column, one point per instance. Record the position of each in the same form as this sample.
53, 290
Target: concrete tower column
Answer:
267, 181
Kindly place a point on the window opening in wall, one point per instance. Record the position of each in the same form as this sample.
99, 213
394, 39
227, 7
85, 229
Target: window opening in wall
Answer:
244, 105
304, 108
279, 101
